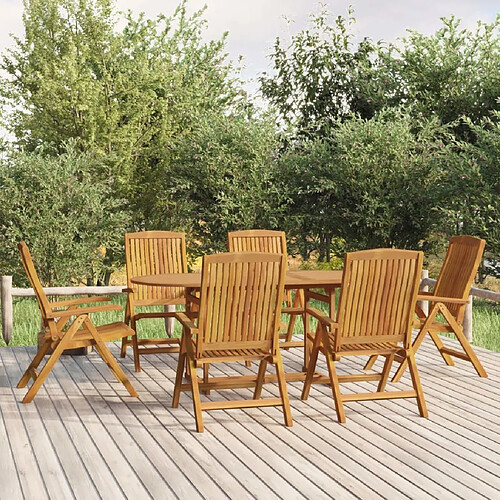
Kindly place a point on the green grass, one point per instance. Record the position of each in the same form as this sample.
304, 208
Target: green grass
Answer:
486, 323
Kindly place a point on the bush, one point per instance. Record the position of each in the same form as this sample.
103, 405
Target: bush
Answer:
68, 218
372, 183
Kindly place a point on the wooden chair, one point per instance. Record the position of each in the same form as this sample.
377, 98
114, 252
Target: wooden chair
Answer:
62, 333
153, 252
449, 298
261, 240
238, 320
376, 307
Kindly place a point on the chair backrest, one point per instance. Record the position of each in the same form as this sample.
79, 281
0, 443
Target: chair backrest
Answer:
240, 303
43, 302
459, 269
378, 296
154, 252
257, 240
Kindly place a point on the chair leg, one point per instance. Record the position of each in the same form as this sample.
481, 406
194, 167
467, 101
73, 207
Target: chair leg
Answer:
458, 331
123, 350
178, 375
416, 344
115, 368
385, 372
260, 379
56, 353
311, 366
280, 372
334, 382
195, 393
34, 364
370, 362
206, 368
135, 346
439, 344
298, 301
108, 358
47, 368
415, 378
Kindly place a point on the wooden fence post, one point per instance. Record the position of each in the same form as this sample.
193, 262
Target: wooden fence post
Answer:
424, 304
467, 325
7, 315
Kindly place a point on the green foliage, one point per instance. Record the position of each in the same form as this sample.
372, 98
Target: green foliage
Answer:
67, 217
124, 96
473, 190
374, 183
452, 74
319, 78
220, 179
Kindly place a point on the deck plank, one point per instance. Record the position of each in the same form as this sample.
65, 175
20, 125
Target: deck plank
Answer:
84, 424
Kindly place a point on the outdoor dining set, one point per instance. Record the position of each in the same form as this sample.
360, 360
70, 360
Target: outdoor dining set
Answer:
243, 308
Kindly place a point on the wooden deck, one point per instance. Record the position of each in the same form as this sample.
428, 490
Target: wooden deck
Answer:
84, 437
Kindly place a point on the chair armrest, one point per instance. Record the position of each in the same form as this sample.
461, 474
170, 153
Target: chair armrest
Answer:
75, 302
84, 310
128, 290
435, 298
185, 321
323, 318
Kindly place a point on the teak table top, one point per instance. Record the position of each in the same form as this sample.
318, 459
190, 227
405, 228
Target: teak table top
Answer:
293, 280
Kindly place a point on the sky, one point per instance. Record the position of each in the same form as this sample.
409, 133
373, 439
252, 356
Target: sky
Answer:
254, 25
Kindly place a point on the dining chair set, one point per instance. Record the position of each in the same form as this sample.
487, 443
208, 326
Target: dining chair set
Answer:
235, 315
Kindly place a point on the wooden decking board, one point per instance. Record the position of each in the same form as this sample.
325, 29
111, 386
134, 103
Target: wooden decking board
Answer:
382, 422
243, 473
125, 432
308, 444
10, 483
28, 470
244, 453
289, 446
68, 432
176, 422
144, 427
57, 479
328, 431
485, 483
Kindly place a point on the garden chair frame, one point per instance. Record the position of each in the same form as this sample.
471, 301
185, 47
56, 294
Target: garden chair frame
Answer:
61, 333
375, 312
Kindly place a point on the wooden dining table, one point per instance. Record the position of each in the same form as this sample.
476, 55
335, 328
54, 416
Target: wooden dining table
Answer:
307, 280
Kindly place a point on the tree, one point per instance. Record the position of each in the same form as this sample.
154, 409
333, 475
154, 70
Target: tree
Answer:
64, 214
220, 179
320, 78
124, 97
370, 183
452, 74
473, 190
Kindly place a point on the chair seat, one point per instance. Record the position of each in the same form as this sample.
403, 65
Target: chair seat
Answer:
109, 332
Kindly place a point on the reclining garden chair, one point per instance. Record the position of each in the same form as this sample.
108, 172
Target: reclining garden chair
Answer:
238, 320
448, 299
262, 240
375, 313
153, 252
62, 333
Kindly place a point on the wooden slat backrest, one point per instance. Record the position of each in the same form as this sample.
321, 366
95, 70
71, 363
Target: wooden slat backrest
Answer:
378, 296
27, 261
459, 269
154, 252
241, 296
257, 240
